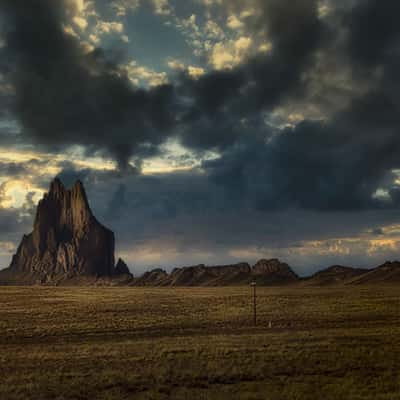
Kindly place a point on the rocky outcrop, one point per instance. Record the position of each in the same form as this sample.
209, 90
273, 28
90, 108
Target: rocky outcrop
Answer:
273, 272
201, 275
155, 277
121, 268
387, 273
268, 273
67, 241
265, 272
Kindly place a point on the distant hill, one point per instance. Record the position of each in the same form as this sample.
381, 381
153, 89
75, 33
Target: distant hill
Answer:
389, 272
264, 272
334, 275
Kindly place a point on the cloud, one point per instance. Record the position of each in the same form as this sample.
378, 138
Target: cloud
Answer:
373, 31
66, 96
255, 110
122, 7
104, 27
195, 72
138, 119
176, 65
161, 7
234, 22
228, 55
338, 163
80, 22
138, 74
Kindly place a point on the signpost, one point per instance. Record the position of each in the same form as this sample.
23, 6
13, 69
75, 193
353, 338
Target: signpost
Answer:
254, 285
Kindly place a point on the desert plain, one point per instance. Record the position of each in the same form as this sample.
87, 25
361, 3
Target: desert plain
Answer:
339, 342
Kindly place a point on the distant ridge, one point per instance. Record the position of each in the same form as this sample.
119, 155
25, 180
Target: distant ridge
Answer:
68, 246
264, 272
269, 273
389, 272
333, 275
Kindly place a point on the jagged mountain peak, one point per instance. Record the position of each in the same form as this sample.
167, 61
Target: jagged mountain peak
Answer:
56, 186
66, 240
121, 268
58, 191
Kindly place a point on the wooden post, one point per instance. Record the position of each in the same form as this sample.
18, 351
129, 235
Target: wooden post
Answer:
254, 284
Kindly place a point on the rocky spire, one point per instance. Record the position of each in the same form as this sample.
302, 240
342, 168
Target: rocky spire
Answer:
66, 239
121, 268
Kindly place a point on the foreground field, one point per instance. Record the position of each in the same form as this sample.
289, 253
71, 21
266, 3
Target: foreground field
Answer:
129, 343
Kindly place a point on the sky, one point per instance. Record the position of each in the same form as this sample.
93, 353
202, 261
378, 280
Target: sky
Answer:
207, 131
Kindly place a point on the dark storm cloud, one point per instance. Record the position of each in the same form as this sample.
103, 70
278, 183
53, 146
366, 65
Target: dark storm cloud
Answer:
307, 167
222, 98
117, 202
374, 31
340, 163
296, 33
65, 96
334, 165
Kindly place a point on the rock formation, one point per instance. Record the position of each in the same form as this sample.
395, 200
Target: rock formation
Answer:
67, 241
155, 277
121, 268
273, 272
200, 275
265, 272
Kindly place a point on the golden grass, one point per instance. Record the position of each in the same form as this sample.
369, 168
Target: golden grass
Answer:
199, 343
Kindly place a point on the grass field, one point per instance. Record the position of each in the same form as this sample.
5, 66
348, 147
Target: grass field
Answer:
199, 343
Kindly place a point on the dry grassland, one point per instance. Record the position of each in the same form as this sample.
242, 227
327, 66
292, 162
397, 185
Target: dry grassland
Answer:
199, 343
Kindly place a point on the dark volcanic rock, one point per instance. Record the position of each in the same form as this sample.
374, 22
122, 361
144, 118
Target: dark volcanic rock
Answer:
190, 276
265, 272
200, 275
121, 268
156, 277
67, 240
273, 272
